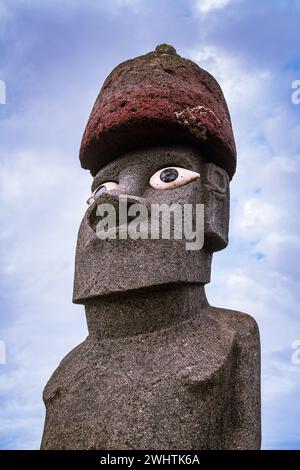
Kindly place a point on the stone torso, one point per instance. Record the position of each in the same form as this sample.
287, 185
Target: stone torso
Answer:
163, 390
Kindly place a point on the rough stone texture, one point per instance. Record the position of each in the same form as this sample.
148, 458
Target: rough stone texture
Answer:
160, 368
112, 266
158, 98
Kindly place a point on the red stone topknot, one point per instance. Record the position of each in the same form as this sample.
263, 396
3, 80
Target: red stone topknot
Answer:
158, 98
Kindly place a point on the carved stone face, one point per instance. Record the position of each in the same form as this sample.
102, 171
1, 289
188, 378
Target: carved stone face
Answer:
110, 266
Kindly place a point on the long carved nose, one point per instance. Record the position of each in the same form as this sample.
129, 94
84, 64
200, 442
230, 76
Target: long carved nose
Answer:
114, 199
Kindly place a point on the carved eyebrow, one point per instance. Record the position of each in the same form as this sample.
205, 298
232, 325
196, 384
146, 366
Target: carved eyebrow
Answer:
113, 169
104, 175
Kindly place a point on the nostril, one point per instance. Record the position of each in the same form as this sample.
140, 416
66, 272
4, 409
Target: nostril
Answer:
112, 205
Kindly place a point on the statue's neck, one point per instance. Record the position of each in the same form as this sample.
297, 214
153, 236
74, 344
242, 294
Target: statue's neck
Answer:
137, 312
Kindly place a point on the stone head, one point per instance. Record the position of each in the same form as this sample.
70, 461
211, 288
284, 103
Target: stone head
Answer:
157, 135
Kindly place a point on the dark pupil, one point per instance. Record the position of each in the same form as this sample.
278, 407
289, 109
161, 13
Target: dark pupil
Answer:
102, 189
168, 175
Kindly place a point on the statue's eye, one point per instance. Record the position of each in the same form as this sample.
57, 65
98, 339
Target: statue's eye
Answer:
172, 177
100, 190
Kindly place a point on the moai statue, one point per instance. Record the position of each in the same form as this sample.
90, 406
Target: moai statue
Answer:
161, 368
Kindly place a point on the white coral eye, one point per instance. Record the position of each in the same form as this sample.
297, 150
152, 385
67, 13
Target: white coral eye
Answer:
103, 188
172, 177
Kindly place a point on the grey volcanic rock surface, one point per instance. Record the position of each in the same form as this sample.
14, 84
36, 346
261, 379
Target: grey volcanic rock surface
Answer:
188, 381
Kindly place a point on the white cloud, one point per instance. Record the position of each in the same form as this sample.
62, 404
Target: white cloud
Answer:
206, 6
256, 216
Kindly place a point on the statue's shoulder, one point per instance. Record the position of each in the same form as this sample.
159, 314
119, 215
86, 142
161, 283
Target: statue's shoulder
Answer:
241, 323
67, 371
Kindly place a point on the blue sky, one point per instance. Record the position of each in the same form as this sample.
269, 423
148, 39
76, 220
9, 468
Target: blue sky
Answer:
54, 56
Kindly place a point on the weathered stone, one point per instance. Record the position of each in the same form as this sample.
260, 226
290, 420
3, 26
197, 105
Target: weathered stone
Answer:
157, 99
161, 368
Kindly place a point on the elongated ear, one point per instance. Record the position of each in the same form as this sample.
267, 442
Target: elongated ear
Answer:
216, 207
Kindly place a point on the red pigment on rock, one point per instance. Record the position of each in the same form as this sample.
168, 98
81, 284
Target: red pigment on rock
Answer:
158, 98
